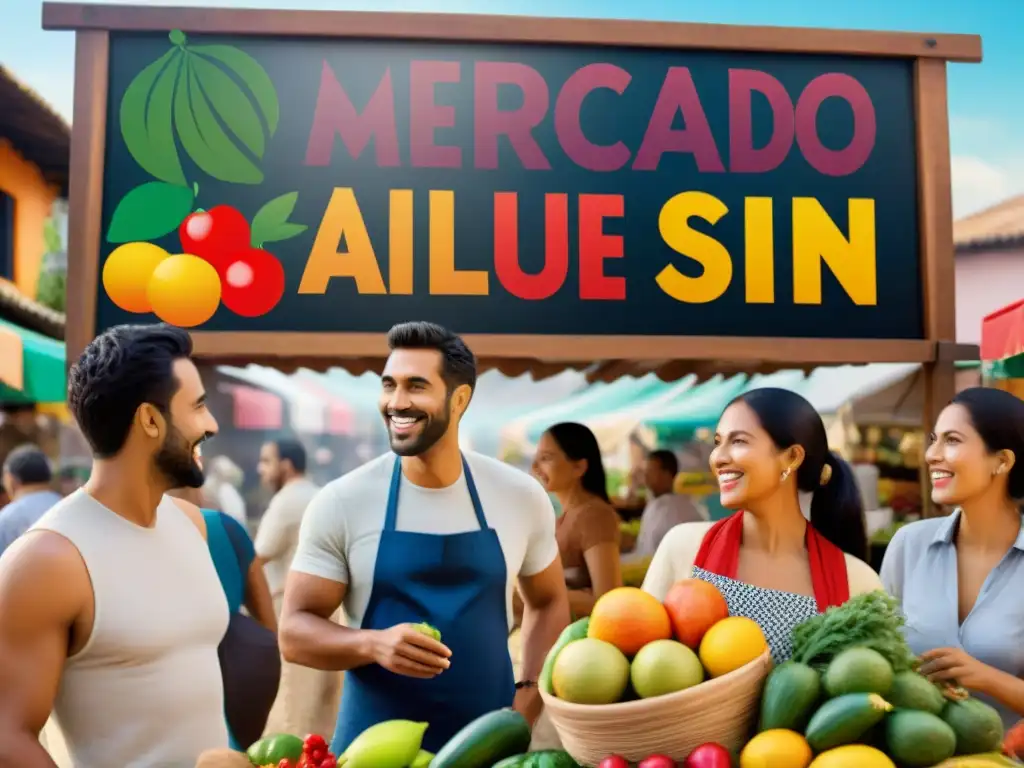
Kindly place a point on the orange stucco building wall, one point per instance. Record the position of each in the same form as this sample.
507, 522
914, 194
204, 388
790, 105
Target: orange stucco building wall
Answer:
33, 201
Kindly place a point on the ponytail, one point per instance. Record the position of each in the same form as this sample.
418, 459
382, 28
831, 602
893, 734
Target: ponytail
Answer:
837, 510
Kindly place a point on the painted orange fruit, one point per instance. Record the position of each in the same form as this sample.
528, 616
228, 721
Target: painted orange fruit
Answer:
629, 619
184, 290
126, 275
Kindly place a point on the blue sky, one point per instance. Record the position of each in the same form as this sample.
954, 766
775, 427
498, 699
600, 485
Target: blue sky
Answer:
986, 101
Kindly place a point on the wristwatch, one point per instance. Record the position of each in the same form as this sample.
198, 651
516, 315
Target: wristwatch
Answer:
526, 684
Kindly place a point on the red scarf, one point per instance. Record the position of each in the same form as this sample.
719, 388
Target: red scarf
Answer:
720, 553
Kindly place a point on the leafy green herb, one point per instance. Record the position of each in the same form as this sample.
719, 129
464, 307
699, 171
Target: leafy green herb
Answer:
871, 620
149, 211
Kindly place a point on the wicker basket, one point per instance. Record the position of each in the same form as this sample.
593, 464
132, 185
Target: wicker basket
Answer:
720, 710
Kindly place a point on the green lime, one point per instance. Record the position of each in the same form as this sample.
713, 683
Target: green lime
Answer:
428, 630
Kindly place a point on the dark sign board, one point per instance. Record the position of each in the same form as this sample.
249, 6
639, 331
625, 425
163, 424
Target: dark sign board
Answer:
325, 185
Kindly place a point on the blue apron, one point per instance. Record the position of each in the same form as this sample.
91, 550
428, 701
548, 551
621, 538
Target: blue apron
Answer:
456, 583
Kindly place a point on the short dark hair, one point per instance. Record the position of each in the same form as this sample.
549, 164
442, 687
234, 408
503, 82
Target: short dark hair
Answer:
28, 465
667, 460
122, 368
291, 450
458, 365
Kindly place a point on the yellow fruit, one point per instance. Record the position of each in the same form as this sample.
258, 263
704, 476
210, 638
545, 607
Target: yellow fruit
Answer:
184, 290
853, 756
777, 748
127, 272
730, 644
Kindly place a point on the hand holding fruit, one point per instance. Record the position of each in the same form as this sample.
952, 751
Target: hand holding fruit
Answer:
405, 650
954, 664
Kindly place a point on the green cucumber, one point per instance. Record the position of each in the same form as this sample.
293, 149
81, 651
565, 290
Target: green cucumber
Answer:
545, 758
575, 631
270, 750
918, 739
978, 727
845, 719
790, 693
911, 690
858, 670
515, 761
483, 742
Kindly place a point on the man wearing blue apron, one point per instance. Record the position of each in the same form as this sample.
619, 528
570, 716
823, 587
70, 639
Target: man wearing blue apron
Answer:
431, 535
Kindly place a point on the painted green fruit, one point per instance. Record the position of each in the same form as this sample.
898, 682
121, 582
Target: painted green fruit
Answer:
858, 670
664, 666
428, 630
391, 744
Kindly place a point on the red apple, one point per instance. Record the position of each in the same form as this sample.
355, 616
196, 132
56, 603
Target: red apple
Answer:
614, 761
709, 756
252, 282
214, 235
657, 761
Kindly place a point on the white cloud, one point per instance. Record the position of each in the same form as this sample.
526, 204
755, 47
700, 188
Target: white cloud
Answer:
979, 183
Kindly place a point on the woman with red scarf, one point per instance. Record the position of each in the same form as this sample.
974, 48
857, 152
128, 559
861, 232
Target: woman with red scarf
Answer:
771, 563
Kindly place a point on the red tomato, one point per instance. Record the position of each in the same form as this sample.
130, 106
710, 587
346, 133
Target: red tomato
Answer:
214, 235
252, 282
613, 761
657, 761
709, 756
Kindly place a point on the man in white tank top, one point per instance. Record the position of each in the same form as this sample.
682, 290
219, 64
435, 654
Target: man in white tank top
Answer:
111, 610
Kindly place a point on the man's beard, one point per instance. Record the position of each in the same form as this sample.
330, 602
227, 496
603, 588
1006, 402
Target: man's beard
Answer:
176, 460
434, 428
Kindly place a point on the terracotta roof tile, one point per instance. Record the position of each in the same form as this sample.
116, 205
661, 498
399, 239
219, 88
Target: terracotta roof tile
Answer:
35, 129
1000, 226
19, 309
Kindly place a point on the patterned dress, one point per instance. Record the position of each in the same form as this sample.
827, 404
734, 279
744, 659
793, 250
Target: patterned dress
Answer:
776, 612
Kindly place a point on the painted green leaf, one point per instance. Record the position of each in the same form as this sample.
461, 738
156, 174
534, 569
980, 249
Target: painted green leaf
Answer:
272, 217
231, 104
149, 211
204, 139
145, 118
250, 72
285, 231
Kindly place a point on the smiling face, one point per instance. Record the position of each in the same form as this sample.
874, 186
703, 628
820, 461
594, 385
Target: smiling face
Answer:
415, 402
556, 471
748, 464
188, 422
960, 464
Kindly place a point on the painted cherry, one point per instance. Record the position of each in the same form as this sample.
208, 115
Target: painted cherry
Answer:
252, 282
214, 235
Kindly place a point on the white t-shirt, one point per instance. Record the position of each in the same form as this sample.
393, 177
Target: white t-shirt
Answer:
341, 529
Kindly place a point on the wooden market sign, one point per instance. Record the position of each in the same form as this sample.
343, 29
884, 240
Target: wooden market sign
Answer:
551, 188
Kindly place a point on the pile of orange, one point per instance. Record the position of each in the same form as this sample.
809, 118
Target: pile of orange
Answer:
180, 289
638, 646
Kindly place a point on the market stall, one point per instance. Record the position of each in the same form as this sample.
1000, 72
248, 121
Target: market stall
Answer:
1002, 348
290, 184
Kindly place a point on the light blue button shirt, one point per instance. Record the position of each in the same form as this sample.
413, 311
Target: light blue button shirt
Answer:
920, 569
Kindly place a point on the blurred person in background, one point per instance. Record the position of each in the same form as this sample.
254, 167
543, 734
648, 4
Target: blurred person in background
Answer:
19, 425
664, 509
27, 480
568, 464
282, 469
307, 701
223, 479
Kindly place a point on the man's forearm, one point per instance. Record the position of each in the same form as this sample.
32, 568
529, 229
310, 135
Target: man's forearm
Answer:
542, 625
319, 643
23, 750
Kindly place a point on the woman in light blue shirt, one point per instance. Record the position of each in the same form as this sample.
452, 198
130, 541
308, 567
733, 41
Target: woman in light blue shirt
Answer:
960, 578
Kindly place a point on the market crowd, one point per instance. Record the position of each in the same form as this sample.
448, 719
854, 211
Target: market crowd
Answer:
140, 615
